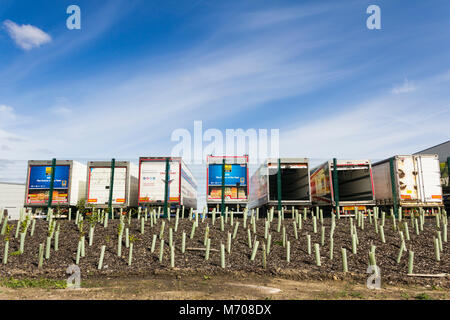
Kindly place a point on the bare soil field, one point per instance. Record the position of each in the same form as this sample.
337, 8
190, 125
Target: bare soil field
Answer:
117, 279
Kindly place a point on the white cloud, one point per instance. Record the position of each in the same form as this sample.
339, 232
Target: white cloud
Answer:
374, 129
7, 115
26, 36
404, 88
62, 111
270, 17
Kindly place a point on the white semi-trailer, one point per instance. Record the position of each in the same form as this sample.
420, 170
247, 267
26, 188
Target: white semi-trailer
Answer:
354, 185
11, 199
125, 184
69, 183
295, 184
408, 180
182, 187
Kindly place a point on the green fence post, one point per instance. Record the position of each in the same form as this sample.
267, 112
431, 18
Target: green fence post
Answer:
52, 184
111, 186
166, 189
335, 184
279, 184
222, 207
393, 186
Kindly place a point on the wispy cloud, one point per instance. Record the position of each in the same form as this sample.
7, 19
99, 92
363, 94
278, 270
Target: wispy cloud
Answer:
26, 36
272, 17
405, 87
7, 115
206, 80
375, 128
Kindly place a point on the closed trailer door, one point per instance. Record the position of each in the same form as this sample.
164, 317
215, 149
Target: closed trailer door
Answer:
430, 189
39, 184
152, 181
235, 182
99, 185
407, 179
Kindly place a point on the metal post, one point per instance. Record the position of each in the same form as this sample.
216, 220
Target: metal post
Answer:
166, 189
279, 185
393, 186
111, 186
448, 167
52, 184
222, 207
335, 183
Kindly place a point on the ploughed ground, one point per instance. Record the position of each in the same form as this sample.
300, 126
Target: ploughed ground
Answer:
194, 277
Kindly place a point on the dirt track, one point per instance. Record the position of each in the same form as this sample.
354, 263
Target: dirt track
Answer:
219, 287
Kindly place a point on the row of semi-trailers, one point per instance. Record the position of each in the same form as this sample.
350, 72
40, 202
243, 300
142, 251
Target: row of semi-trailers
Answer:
405, 181
132, 185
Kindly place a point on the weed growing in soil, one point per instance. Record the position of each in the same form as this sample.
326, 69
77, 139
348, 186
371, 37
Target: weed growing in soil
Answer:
33, 283
422, 296
23, 225
132, 238
93, 218
81, 206
8, 230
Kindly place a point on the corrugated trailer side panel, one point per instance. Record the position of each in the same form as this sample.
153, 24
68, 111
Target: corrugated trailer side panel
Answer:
259, 192
382, 183
78, 182
134, 185
321, 186
188, 193
445, 184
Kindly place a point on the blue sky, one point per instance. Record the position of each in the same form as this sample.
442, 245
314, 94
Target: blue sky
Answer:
137, 70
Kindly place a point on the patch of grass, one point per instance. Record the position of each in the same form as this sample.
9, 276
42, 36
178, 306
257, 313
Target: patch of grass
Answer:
33, 283
356, 294
280, 243
436, 288
15, 253
405, 295
341, 294
205, 277
422, 296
